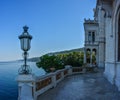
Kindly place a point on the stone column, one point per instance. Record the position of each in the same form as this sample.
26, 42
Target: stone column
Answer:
25, 87
90, 57
84, 55
97, 56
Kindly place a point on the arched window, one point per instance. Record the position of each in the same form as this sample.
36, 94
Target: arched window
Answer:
119, 39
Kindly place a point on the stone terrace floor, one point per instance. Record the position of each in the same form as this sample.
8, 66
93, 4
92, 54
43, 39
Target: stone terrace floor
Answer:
89, 86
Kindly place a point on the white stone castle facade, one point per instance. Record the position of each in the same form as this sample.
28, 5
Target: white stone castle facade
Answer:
102, 37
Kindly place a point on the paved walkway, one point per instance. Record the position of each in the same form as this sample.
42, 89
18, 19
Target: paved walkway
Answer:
90, 86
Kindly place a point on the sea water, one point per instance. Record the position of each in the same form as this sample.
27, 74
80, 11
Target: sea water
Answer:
8, 74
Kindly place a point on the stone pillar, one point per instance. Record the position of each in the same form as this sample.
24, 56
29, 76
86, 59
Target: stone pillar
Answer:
69, 67
101, 21
96, 56
54, 80
70, 70
84, 55
62, 75
90, 57
25, 87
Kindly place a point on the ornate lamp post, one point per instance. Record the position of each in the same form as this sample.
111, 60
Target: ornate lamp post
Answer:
25, 40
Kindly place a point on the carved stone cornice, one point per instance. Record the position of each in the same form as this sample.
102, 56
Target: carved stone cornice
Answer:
101, 1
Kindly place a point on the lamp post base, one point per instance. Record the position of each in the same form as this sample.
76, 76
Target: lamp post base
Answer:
25, 87
25, 69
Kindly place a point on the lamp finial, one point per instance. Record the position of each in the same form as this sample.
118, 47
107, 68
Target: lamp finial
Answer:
25, 28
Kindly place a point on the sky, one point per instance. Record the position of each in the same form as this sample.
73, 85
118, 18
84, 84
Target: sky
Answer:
55, 25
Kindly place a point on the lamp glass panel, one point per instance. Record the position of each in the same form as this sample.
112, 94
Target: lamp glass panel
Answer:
22, 43
29, 43
26, 44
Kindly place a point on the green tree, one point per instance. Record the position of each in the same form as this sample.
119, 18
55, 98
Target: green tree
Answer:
74, 59
49, 62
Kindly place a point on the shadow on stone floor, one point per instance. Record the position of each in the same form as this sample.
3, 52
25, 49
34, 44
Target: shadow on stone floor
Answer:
89, 86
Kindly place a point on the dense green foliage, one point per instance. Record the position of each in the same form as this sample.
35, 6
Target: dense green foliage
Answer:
48, 62
74, 59
55, 62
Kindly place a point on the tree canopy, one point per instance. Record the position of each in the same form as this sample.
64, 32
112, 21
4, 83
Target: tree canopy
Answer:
56, 62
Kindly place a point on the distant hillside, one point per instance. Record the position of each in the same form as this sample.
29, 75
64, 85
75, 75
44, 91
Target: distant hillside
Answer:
36, 59
66, 51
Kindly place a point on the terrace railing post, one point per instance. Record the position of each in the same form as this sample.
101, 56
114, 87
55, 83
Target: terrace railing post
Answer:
84, 70
62, 74
25, 87
54, 80
70, 70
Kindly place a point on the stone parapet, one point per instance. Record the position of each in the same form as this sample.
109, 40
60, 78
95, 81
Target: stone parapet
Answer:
25, 87
89, 21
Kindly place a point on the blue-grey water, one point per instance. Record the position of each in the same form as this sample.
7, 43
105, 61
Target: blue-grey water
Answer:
8, 74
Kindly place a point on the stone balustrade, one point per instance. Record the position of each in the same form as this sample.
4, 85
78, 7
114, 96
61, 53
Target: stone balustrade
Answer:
38, 85
91, 43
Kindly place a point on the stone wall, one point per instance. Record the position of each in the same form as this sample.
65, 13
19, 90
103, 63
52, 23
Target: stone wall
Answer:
112, 66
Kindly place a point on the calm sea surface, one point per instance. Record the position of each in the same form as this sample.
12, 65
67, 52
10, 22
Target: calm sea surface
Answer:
8, 74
